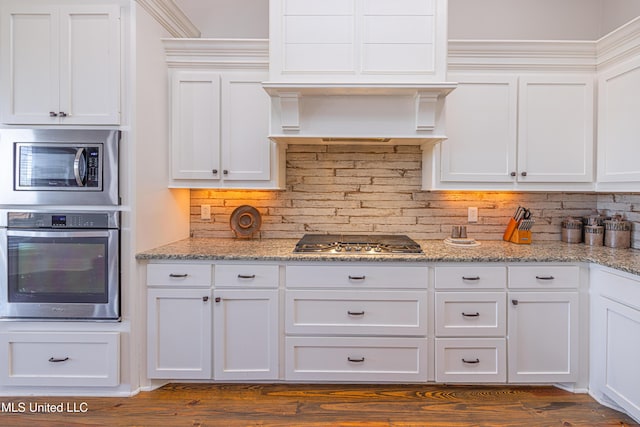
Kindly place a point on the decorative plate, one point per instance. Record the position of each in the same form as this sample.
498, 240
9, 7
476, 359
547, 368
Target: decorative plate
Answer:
245, 220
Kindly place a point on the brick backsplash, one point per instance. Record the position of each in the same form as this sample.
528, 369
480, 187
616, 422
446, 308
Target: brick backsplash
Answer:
376, 189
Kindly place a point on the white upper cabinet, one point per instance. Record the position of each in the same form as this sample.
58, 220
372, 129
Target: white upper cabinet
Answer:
511, 131
358, 40
219, 115
619, 127
60, 64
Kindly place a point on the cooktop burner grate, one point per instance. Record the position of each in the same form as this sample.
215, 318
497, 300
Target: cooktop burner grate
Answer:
357, 244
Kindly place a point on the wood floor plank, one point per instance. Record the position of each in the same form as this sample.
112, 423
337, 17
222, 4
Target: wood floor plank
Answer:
273, 405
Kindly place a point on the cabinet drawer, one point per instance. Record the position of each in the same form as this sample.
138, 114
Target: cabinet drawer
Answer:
544, 276
246, 275
179, 274
356, 312
60, 359
356, 276
471, 360
470, 277
471, 314
356, 359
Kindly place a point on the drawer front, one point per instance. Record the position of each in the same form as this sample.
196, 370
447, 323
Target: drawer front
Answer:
60, 359
544, 276
356, 312
179, 274
469, 360
471, 314
357, 276
246, 276
356, 359
470, 277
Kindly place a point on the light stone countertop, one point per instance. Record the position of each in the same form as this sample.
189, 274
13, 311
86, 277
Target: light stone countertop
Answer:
627, 260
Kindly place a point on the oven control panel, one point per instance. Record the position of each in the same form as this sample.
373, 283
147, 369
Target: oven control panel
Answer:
66, 220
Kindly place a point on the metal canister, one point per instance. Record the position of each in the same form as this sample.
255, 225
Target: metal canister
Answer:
594, 235
617, 233
571, 230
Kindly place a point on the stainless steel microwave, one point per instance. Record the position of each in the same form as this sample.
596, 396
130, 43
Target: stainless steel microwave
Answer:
59, 167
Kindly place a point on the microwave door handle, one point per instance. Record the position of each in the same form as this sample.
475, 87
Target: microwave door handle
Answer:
80, 180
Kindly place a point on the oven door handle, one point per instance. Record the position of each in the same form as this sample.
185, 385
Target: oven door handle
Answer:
58, 234
80, 180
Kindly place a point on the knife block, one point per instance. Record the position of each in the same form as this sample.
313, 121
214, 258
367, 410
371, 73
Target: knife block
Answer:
521, 237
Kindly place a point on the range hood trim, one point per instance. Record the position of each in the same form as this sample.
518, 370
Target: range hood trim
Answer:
288, 97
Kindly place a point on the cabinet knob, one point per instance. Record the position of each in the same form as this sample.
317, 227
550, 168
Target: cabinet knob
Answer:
513, 174
214, 171
53, 114
514, 301
205, 299
62, 114
225, 172
523, 173
218, 299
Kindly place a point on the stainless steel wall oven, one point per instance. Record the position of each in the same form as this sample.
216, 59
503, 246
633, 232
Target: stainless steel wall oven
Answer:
59, 167
60, 265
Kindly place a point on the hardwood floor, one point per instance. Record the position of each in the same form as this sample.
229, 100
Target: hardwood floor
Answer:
319, 405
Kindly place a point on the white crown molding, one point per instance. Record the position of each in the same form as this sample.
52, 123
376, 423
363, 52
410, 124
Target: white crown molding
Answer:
619, 45
217, 53
171, 17
502, 55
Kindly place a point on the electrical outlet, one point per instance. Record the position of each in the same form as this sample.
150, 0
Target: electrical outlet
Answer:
205, 212
472, 214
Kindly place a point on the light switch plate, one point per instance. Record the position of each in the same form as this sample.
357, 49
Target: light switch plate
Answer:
205, 212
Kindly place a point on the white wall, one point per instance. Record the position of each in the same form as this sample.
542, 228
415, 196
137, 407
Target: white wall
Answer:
468, 19
229, 18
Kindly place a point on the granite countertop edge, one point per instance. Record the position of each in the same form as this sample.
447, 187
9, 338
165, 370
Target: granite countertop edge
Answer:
280, 250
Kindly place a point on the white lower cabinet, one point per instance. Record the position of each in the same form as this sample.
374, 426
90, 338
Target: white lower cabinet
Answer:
543, 338
615, 328
356, 322
60, 359
372, 359
245, 334
179, 333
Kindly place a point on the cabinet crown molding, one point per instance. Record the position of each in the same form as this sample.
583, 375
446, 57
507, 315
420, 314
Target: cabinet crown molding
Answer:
218, 53
171, 17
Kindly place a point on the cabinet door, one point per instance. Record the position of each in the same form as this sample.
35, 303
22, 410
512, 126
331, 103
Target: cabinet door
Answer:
619, 352
29, 63
618, 125
195, 125
246, 148
89, 65
555, 128
481, 128
543, 336
179, 333
60, 65
245, 334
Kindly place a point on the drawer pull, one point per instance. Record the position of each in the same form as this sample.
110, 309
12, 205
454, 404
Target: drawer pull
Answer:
471, 362
355, 313
356, 277
57, 360
545, 277
354, 360
178, 276
246, 276
470, 314
474, 278
205, 299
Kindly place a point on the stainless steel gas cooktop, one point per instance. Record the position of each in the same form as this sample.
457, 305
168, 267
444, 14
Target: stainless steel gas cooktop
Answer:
357, 244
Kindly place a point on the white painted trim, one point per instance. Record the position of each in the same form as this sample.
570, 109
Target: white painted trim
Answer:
218, 53
171, 17
619, 45
514, 55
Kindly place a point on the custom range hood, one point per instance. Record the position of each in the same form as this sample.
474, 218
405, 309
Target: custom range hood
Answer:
357, 71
